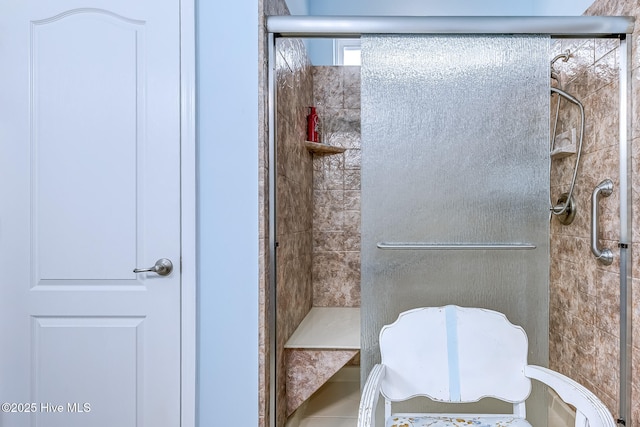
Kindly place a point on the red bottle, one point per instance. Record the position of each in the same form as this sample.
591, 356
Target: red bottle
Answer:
312, 125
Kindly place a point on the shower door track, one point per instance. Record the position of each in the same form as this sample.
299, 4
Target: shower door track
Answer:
355, 26
620, 27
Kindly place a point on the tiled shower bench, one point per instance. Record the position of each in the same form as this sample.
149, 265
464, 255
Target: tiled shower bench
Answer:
326, 339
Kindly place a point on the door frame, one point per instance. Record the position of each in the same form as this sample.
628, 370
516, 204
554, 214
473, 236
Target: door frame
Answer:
188, 287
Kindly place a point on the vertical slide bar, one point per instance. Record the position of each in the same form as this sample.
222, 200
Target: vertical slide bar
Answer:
625, 228
271, 292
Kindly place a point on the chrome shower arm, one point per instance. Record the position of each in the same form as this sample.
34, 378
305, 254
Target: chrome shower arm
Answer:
567, 96
564, 56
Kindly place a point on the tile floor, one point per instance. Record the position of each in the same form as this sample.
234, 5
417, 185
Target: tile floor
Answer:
335, 404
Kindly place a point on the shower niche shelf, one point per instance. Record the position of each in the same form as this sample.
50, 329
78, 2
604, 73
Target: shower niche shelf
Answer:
565, 144
322, 149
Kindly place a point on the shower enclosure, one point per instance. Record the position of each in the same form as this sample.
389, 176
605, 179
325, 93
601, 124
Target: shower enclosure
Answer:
455, 185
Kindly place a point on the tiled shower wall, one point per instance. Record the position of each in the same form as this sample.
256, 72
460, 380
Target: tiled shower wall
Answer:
295, 198
336, 189
294, 195
584, 295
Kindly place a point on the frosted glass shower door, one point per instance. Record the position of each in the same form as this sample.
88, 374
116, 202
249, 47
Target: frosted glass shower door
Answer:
455, 153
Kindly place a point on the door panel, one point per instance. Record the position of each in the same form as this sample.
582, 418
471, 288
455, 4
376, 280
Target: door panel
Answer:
101, 69
455, 171
90, 190
95, 339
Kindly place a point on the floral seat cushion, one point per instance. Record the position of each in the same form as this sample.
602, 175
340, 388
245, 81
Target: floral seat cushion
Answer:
457, 421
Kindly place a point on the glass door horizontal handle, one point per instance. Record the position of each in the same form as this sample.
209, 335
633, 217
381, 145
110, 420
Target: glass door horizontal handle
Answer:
425, 246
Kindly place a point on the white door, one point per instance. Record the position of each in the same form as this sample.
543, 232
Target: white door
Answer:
89, 190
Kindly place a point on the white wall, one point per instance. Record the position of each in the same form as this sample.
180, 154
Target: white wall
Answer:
227, 66
421, 7
561, 8
298, 7
445, 8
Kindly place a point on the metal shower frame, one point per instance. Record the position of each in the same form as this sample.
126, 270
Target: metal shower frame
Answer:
335, 27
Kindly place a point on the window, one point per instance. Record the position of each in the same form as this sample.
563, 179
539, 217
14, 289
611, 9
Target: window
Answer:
346, 52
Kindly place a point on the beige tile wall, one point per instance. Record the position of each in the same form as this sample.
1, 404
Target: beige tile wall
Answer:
336, 189
584, 295
318, 199
294, 199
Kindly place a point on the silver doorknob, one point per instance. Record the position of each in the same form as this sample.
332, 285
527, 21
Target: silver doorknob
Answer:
163, 267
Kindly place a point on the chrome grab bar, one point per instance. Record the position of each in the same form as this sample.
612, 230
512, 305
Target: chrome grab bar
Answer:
454, 246
605, 188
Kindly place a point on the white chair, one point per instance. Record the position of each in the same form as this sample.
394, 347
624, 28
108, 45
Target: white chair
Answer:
455, 354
